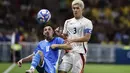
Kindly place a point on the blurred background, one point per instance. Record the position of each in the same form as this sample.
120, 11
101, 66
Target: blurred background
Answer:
109, 44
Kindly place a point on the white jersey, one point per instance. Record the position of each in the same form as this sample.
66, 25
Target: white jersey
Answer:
76, 28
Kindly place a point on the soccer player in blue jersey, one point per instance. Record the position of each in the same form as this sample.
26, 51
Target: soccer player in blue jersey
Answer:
46, 55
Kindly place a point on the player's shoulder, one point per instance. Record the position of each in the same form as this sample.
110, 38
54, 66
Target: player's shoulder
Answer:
69, 20
59, 38
86, 19
42, 41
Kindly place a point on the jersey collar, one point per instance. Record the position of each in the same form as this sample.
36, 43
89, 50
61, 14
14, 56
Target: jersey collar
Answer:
50, 40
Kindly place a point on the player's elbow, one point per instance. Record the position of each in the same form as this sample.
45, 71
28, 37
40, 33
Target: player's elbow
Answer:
87, 38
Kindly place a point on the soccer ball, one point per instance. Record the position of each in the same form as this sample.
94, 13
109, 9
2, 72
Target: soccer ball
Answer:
43, 16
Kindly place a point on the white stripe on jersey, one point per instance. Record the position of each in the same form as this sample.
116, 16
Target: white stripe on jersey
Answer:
60, 55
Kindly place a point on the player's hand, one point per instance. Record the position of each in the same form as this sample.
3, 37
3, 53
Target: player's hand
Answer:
53, 46
20, 63
57, 31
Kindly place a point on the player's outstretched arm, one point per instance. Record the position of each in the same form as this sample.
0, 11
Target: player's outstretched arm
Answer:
61, 46
60, 34
28, 58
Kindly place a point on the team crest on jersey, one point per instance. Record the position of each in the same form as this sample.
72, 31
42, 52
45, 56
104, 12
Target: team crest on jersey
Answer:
47, 48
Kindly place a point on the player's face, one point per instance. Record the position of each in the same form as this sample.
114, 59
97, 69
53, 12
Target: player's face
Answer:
77, 11
48, 32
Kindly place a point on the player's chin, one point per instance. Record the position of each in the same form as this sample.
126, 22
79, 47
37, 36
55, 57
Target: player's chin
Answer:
76, 16
45, 35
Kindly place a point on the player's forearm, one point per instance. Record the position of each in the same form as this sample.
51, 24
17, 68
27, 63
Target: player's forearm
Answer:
64, 46
28, 58
82, 39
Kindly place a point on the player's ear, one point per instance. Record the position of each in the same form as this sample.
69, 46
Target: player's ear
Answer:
43, 31
53, 30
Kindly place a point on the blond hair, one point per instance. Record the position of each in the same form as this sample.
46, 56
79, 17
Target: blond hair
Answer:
79, 2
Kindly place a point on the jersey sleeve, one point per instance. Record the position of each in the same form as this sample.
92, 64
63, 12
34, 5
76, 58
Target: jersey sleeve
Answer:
88, 27
60, 41
65, 27
37, 48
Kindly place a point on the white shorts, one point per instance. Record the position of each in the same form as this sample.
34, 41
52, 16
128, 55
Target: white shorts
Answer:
73, 61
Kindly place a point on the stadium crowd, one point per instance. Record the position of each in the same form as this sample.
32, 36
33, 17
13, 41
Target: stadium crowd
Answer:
111, 19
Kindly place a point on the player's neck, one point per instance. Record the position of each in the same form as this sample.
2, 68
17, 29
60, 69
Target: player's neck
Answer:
78, 17
49, 39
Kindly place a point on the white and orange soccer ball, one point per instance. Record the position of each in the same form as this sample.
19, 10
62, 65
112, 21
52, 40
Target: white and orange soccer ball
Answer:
43, 16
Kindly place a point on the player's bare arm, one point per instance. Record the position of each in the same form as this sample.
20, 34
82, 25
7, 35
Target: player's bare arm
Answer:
28, 58
61, 46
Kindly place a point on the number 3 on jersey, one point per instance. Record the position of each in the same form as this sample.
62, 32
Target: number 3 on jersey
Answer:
74, 32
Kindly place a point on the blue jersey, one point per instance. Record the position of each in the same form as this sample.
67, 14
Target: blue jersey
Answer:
50, 55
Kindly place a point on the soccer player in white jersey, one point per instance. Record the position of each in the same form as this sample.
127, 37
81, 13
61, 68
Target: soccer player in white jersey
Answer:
78, 31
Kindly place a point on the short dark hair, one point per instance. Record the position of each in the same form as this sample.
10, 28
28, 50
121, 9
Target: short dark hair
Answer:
51, 25
47, 24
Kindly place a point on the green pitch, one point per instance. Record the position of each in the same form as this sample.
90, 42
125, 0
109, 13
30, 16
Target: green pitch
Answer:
4, 66
89, 68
